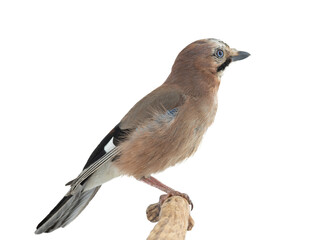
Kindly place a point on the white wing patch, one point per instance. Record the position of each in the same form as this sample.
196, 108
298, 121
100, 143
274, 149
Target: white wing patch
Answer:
109, 146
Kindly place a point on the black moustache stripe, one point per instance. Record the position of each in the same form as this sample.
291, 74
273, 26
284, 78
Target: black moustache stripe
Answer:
224, 65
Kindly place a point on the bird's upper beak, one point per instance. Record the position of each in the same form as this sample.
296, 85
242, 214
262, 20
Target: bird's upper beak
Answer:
238, 55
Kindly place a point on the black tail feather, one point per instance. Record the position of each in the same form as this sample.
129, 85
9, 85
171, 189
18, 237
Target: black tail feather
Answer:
66, 210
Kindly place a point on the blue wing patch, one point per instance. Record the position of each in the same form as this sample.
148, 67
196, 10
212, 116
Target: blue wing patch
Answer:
168, 116
172, 112
160, 120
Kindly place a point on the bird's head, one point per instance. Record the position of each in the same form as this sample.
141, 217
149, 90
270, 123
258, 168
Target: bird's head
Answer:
207, 55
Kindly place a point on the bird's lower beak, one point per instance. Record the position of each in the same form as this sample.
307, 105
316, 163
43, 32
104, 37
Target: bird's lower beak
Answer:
239, 55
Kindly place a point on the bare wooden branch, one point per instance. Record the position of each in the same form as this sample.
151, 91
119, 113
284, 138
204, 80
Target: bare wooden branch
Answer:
173, 219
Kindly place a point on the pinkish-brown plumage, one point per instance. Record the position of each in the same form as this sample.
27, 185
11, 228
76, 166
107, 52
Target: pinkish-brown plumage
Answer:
161, 141
161, 130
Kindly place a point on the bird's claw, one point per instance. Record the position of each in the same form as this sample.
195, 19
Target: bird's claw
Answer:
164, 197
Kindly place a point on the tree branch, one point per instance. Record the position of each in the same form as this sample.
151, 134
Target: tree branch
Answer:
173, 219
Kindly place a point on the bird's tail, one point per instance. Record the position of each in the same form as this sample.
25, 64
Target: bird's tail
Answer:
71, 205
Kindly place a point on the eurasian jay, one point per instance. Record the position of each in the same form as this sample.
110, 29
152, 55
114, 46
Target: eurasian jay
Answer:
162, 129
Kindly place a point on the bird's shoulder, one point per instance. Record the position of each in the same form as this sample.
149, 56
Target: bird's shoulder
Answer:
163, 99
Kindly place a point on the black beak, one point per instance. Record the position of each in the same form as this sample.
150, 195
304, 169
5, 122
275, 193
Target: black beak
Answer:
240, 56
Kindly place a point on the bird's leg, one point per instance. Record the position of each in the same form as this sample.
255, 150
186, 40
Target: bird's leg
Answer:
170, 191
155, 183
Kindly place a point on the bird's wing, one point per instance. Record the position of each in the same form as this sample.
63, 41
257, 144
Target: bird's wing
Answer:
162, 99
87, 172
104, 152
111, 140
99, 151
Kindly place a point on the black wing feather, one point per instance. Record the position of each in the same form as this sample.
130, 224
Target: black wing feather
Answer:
118, 135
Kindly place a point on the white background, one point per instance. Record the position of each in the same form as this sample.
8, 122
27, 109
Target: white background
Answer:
70, 70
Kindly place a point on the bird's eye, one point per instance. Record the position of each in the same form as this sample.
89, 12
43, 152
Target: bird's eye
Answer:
219, 53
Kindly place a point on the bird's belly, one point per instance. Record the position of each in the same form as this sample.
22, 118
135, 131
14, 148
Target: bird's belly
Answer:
157, 153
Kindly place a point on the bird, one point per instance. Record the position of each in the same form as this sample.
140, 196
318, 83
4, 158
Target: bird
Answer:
162, 129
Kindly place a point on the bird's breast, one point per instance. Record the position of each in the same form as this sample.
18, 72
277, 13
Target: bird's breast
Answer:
167, 138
